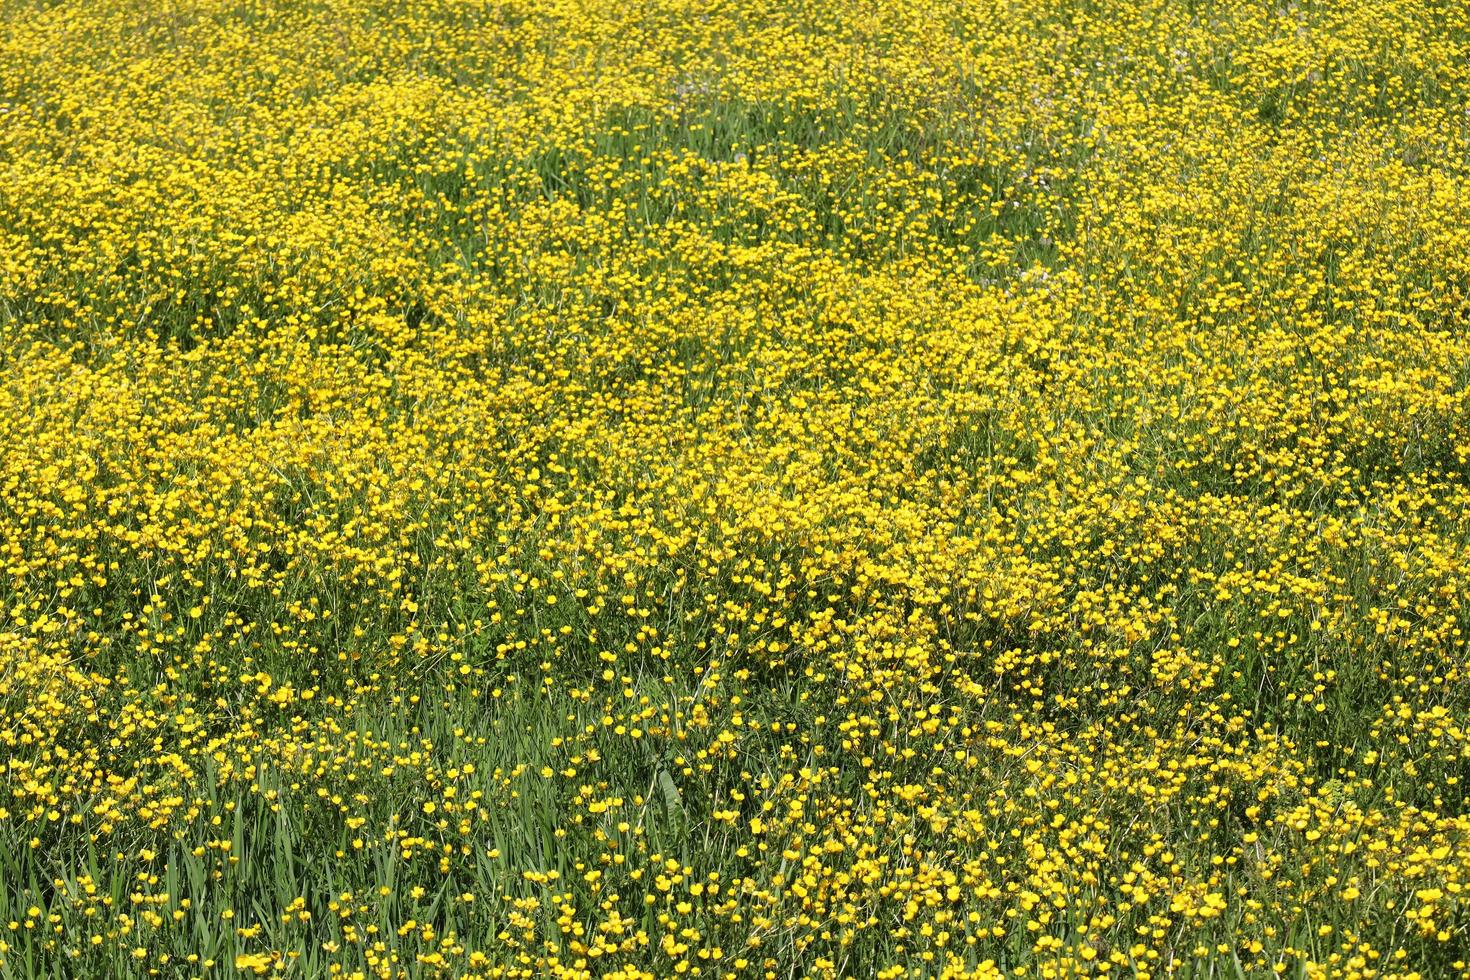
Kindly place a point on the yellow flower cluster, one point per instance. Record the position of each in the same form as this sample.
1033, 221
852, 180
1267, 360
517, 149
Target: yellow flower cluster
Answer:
522, 488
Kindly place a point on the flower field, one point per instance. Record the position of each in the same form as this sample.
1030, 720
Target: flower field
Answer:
868, 488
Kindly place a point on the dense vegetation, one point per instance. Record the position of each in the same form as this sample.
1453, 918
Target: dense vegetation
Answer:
781, 488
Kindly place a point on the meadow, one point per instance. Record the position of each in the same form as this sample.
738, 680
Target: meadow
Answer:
868, 488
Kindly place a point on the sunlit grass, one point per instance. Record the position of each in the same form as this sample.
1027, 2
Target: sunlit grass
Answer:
766, 490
